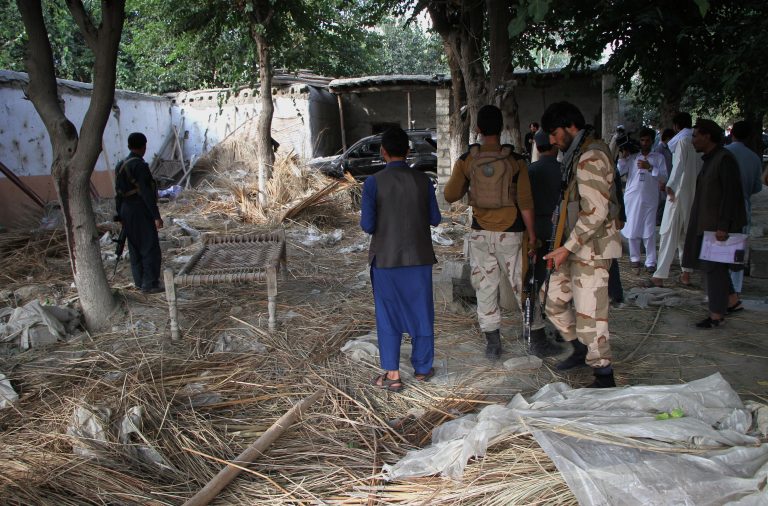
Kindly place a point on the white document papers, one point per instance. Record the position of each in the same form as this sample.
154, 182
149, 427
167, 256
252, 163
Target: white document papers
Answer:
731, 251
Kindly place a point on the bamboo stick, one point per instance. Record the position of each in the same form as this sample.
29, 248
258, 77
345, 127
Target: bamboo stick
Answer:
229, 473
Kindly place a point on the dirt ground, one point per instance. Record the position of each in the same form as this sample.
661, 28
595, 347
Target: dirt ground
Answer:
325, 301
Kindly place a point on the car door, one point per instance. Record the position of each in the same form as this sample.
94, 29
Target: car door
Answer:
365, 160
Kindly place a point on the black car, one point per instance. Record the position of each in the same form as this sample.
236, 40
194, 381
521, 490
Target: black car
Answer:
363, 158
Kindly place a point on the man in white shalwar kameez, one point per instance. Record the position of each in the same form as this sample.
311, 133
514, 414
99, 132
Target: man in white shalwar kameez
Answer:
681, 187
644, 170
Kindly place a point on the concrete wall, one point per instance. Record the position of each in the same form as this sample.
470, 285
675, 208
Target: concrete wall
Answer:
305, 119
25, 147
363, 111
535, 93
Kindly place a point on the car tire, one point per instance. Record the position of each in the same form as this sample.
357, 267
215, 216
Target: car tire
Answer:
432, 176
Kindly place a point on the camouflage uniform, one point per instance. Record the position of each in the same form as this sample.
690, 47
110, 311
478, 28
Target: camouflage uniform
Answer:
593, 240
494, 249
491, 256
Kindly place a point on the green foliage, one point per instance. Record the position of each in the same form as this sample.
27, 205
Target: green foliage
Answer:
406, 48
72, 58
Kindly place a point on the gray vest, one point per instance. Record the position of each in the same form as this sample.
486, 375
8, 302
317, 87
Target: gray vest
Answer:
403, 237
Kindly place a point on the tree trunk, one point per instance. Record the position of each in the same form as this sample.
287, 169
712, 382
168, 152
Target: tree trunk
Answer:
755, 141
264, 125
471, 62
502, 83
452, 45
74, 157
670, 104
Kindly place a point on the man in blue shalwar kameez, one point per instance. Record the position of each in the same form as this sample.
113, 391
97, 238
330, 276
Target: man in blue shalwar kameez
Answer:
398, 207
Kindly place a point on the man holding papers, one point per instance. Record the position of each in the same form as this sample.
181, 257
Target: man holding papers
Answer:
717, 207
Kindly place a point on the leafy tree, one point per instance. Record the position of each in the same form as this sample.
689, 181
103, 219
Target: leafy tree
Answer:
71, 56
408, 49
75, 153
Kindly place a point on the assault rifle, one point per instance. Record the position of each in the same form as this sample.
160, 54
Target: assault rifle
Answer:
560, 213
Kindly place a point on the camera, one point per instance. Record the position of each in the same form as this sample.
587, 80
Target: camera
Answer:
625, 143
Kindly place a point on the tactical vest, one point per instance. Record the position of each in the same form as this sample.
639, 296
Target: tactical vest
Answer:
492, 177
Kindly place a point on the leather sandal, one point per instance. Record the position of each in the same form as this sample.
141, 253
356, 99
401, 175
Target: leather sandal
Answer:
383, 382
426, 376
736, 307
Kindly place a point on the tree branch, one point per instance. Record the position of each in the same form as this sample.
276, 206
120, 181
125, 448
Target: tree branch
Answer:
85, 23
42, 90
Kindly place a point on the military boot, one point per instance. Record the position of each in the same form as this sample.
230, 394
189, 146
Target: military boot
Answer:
576, 359
603, 378
493, 348
541, 346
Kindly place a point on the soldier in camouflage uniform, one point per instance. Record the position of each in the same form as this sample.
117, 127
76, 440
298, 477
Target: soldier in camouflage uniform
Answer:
577, 301
496, 238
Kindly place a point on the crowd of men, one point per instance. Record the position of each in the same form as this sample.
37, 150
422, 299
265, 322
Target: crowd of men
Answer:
559, 209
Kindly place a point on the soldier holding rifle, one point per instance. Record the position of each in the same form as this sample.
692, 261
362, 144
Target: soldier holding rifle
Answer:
586, 240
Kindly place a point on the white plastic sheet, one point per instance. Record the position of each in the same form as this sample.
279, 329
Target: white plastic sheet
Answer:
580, 430
7, 394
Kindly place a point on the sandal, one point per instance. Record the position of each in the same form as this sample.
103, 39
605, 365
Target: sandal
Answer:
383, 382
426, 376
736, 307
680, 280
709, 323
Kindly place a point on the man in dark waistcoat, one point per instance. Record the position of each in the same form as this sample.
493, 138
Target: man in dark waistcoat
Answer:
136, 203
398, 207
718, 206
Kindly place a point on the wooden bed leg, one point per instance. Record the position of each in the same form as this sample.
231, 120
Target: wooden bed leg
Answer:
272, 295
170, 295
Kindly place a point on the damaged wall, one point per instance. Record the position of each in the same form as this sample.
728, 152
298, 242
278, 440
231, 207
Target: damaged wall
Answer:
301, 121
25, 147
305, 122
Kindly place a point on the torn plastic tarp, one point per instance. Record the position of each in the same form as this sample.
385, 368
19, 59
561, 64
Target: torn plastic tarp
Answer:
7, 394
612, 450
29, 316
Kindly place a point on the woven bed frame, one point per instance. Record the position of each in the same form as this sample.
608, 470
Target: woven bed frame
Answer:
228, 259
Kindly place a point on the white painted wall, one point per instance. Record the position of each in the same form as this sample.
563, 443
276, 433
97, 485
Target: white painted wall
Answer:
25, 147
209, 117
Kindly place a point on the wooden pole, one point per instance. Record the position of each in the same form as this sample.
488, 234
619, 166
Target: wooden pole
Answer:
170, 296
22, 186
229, 473
410, 123
341, 120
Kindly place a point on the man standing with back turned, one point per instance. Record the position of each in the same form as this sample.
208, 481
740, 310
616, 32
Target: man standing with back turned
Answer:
136, 203
577, 301
502, 208
398, 207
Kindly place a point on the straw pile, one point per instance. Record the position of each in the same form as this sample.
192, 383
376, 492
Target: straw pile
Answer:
196, 407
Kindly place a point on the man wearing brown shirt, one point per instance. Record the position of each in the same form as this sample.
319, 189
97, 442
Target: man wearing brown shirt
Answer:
500, 195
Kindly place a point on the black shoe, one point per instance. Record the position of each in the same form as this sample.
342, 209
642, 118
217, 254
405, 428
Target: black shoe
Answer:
541, 345
576, 359
603, 378
559, 337
493, 347
709, 323
154, 289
